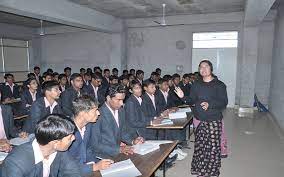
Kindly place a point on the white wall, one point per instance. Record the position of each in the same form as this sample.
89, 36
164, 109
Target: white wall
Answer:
276, 102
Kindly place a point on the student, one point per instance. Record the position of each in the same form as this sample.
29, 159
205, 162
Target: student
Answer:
135, 117
115, 72
97, 69
44, 106
163, 96
49, 70
82, 72
175, 83
184, 84
44, 156
37, 75
29, 95
62, 78
131, 77
105, 81
55, 76
140, 76
113, 79
124, 73
125, 83
110, 134
89, 70
46, 76
67, 72
86, 114
155, 77
87, 79
132, 71
159, 71
10, 90
71, 93
95, 90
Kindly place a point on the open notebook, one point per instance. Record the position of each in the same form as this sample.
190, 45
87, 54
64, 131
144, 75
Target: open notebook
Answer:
149, 146
124, 168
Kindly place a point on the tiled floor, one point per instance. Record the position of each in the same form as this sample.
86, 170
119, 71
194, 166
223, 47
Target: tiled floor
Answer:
256, 149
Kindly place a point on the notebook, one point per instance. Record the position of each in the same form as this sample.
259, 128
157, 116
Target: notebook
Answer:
164, 122
177, 115
184, 109
3, 155
124, 168
18, 141
145, 148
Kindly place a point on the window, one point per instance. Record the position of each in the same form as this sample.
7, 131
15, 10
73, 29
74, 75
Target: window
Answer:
215, 40
14, 58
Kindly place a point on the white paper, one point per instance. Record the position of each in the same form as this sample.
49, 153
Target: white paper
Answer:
18, 141
184, 109
159, 142
124, 168
145, 148
3, 155
177, 115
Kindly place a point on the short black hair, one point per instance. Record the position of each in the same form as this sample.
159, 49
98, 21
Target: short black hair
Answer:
97, 68
112, 77
83, 103
133, 83
74, 76
208, 62
158, 69
29, 80
31, 75
106, 70
8, 75
82, 69
89, 70
161, 81
55, 74
97, 75
176, 75
114, 70
115, 89
53, 127
67, 68
138, 72
49, 70
47, 74
61, 76
148, 82
131, 70
125, 71
154, 74
186, 76
167, 77
48, 85
124, 77
36, 67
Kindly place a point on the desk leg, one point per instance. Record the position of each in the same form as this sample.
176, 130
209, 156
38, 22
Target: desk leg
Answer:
164, 169
157, 134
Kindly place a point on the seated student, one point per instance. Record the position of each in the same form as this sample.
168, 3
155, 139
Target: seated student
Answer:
184, 84
46, 76
71, 93
55, 76
154, 77
89, 70
125, 83
132, 72
86, 114
10, 90
140, 76
44, 106
159, 71
82, 72
115, 72
44, 156
62, 78
95, 90
175, 83
163, 96
29, 95
109, 134
87, 79
135, 117
37, 75
105, 81
113, 79
124, 73
97, 69
131, 77
67, 72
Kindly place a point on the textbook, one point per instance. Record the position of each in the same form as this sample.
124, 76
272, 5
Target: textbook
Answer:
177, 115
124, 168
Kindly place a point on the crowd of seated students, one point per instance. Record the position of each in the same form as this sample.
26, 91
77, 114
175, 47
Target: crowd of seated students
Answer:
110, 113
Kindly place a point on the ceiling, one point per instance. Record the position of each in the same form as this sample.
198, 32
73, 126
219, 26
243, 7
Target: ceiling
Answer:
153, 8
23, 21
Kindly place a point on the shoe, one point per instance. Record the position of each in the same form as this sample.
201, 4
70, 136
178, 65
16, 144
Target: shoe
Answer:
179, 151
172, 159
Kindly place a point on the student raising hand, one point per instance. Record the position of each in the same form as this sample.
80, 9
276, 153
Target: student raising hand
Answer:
179, 92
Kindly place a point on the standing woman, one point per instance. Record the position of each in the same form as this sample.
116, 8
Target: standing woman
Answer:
208, 97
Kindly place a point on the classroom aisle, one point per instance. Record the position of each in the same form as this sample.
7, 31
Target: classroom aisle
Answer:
256, 149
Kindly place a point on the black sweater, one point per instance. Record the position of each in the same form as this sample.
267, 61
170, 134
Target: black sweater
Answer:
213, 92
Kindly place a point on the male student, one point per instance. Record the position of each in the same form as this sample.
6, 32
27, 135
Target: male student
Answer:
87, 79
110, 135
45, 156
113, 79
67, 72
44, 106
95, 90
62, 78
47, 76
184, 84
105, 81
10, 90
71, 93
175, 80
163, 96
29, 95
115, 72
82, 71
86, 114
140, 76
37, 75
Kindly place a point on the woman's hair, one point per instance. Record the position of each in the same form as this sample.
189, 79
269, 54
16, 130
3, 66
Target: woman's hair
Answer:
208, 62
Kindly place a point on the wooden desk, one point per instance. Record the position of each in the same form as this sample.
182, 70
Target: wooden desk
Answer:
148, 163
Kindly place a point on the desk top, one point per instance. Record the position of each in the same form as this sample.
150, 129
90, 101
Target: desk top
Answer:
148, 163
178, 123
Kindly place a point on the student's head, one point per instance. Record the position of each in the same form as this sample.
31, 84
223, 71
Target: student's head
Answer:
176, 79
82, 71
88, 76
163, 85
186, 78
36, 70
131, 77
132, 71
115, 96
205, 68
115, 71
51, 89
55, 76
149, 86
32, 84
47, 76
113, 79
140, 75
62, 78
125, 72
154, 76
136, 88
55, 131
124, 80
169, 79
31, 75
49, 70
9, 78
76, 80
97, 79
67, 71
86, 108
159, 71
106, 73
97, 69
89, 70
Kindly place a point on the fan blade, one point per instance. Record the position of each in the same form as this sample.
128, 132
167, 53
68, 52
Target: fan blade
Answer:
157, 22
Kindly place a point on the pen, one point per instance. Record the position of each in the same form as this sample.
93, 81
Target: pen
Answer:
99, 158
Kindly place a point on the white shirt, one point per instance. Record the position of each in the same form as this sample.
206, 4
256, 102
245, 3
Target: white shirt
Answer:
62, 88
95, 91
33, 95
139, 99
165, 94
47, 104
2, 128
115, 115
152, 97
11, 87
82, 131
46, 163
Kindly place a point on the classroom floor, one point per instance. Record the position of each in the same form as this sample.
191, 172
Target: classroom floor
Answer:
256, 148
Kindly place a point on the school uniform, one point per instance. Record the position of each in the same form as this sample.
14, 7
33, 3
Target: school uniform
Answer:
164, 100
40, 108
66, 99
105, 83
27, 160
10, 91
176, 101
7, 128
185, 88
97, 93
109, 131
27, 99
